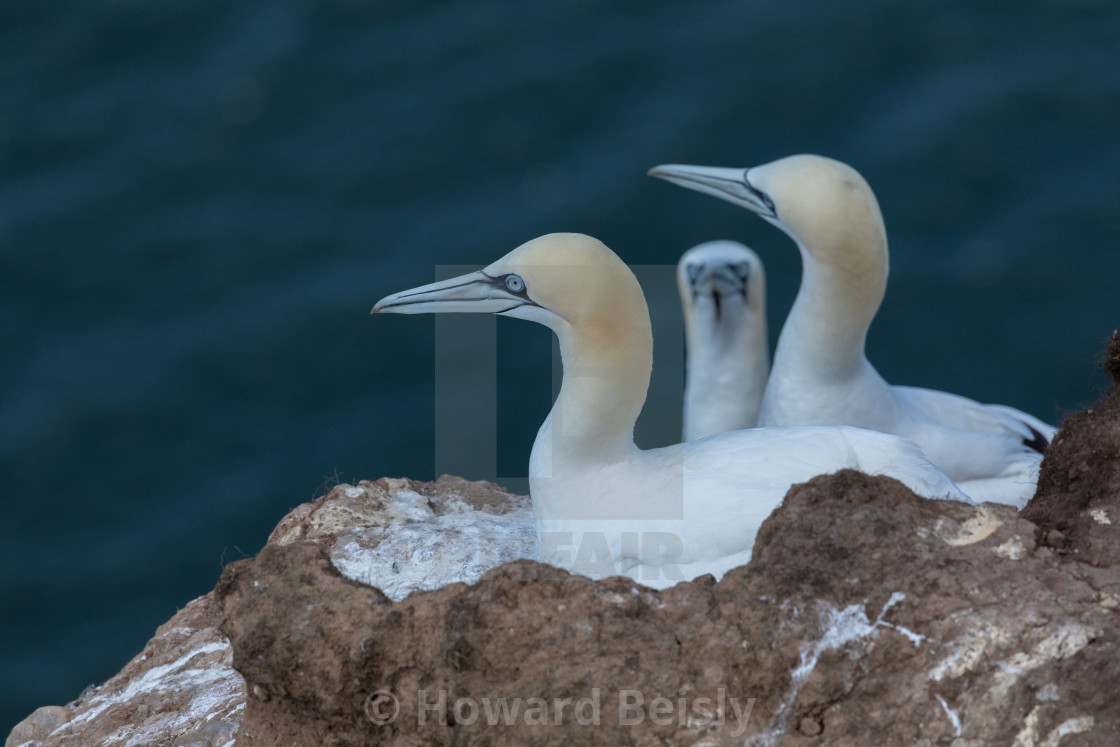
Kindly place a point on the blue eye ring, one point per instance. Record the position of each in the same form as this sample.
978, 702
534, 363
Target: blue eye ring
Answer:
769, 203
515, 283
762, 196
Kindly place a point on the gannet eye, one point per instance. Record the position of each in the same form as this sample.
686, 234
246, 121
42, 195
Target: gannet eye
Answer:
742, 270
762, 196
515, 283
765, 200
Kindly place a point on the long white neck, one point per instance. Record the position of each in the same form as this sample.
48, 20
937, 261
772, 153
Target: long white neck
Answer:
607, 365
826, 330
591, 425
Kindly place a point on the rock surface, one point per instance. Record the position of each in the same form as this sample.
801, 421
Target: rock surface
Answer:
181, 689
1075, 507
402, 535
867, 616
866, 611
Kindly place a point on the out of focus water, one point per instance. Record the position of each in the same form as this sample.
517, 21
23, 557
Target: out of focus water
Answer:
199, 203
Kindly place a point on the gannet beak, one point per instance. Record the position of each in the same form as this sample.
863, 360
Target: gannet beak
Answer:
476, 293
727, 184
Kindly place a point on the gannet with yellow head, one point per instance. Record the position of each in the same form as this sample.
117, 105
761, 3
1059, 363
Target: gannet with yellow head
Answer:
723, 296
603, 506
820, 373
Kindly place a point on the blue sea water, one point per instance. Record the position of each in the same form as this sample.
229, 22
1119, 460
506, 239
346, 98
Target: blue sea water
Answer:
200, 202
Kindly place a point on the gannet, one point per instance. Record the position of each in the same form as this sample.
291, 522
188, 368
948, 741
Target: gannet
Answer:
603, 506
820, 374
723, 296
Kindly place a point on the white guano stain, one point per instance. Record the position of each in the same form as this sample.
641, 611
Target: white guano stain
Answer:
1012, 549
954, 719
419, 550
1029, 736
211, 688
839, 628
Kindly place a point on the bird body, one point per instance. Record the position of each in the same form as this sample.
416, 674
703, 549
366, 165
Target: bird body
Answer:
820, 373
603, 506
722, 286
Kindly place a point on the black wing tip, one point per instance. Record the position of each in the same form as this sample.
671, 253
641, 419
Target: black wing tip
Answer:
1037, 442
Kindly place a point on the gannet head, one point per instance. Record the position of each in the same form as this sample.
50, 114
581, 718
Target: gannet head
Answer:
824, 205
560, 280
721, 275
592, 301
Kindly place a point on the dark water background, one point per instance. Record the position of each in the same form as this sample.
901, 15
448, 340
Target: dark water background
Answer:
199, 203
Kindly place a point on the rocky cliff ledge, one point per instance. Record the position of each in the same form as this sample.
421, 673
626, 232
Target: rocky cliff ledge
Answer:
867, 616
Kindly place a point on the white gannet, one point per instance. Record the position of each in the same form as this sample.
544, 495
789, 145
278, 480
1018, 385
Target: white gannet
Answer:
820, 374
723, 296
603, 506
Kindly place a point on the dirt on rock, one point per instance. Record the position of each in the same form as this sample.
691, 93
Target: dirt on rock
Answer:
1075, 507
867, 613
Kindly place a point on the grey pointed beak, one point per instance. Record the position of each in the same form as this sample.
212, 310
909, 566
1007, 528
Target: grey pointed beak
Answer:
727, 184
476, 293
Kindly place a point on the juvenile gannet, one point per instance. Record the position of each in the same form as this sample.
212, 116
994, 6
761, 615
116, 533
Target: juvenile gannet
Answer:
604, 507
820, 374
723, 296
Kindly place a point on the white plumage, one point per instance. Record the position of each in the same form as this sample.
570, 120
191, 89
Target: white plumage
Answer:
604, 507
820, 374
723, 296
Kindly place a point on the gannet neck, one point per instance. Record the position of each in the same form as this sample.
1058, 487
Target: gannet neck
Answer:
826, 330
722, 287
601, 321
830, 212
607, 359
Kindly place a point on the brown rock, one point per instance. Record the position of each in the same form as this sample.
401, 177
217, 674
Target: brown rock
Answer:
867, 614
181, 690
38, 726
1075, 507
